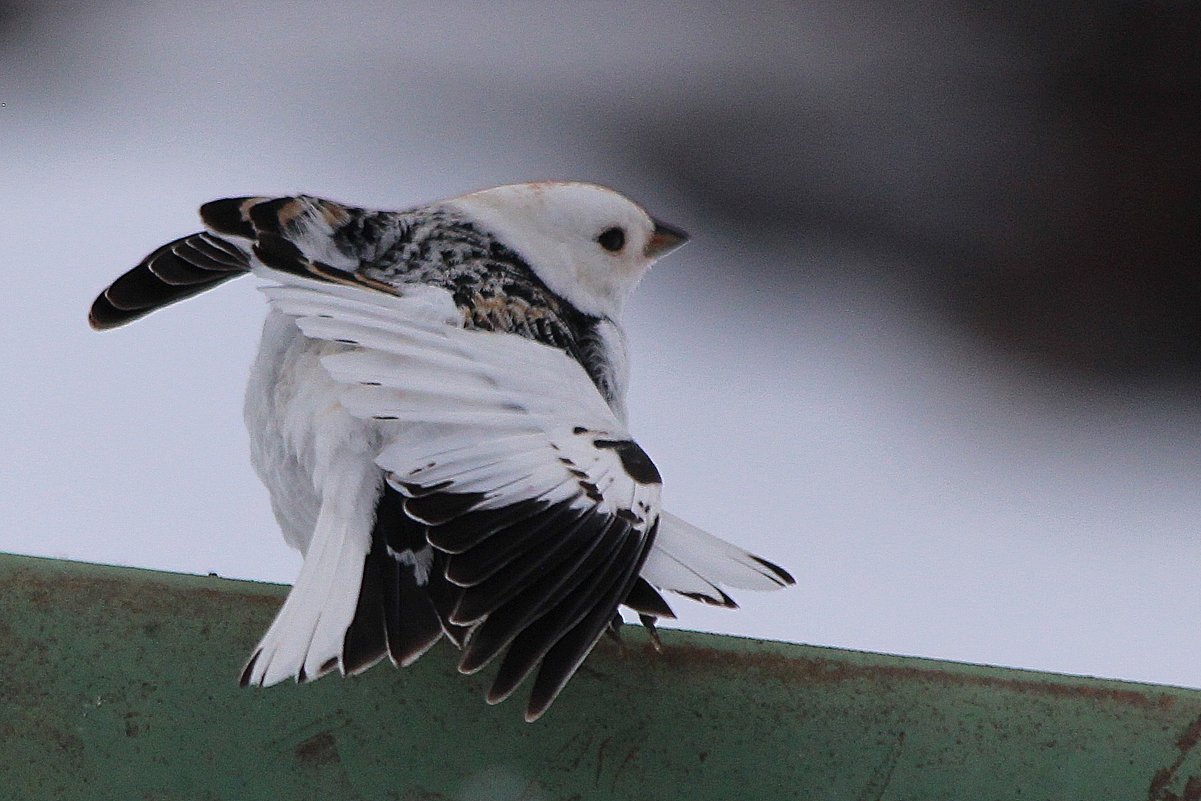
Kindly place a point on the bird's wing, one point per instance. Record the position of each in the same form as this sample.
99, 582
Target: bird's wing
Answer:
330, 237
528, 483
175, 271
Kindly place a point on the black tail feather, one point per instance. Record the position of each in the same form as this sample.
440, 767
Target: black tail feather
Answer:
366, 640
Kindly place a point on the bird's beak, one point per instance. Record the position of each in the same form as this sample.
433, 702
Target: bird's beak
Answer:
664, 239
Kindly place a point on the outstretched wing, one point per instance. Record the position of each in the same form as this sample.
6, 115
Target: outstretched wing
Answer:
531, 488
176, 271
331, 236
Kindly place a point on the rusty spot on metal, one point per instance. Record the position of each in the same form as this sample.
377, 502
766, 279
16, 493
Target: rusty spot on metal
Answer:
1185, 743
319, 750
1159, 782
1190, 736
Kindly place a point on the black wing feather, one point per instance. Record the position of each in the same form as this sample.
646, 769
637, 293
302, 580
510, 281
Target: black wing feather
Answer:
395, 613
473, 528
646, 600
528, 601
229, 216
176, 271
560, 663
507, 544
211, 253
535, 641
557, 563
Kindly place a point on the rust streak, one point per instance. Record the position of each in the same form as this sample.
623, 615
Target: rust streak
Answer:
882, 775
630, 756
1185, 743
600, 760
1189, 738
60, 589
823, 671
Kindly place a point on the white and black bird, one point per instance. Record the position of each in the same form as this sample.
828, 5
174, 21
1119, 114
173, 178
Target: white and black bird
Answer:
437, 409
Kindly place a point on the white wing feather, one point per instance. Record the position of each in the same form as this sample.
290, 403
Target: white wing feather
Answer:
472, 389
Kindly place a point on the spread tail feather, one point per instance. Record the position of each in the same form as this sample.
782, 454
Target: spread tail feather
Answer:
696, 564
305, 641
398, 612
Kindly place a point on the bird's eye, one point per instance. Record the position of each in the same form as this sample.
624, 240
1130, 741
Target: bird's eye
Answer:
612, 239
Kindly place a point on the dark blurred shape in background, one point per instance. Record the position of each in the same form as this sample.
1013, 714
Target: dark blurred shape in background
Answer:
1037, 166
1041, 162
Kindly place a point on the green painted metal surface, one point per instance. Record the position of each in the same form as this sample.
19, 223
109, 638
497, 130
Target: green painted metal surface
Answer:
121, 684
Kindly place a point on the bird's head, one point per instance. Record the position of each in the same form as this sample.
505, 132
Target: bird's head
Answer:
587, 243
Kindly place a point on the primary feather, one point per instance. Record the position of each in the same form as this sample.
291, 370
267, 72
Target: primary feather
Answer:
437, 409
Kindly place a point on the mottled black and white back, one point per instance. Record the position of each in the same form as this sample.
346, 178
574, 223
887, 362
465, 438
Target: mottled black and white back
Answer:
437, 410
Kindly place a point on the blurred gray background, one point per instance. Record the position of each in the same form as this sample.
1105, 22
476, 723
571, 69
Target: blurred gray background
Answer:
935, 345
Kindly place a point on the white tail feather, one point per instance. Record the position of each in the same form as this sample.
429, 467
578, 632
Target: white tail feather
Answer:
305, 639
690, 561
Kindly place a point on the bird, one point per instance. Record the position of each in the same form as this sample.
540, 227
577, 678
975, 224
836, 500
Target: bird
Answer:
437, 409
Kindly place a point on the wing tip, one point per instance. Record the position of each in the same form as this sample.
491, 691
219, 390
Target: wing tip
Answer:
173, 272
104, 316
779, 574
541, 700
646, 600
408, 656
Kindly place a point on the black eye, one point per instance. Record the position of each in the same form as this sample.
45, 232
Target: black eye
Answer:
612, 239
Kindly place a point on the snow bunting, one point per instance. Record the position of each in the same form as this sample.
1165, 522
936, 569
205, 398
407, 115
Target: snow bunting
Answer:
437, 409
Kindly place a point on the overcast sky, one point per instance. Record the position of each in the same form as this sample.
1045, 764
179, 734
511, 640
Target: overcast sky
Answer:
930, 496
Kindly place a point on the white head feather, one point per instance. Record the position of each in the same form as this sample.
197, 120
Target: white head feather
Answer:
557, 228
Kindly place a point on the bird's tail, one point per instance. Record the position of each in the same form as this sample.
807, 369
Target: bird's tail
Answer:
358, 600
696, 564
405, 600
305, 641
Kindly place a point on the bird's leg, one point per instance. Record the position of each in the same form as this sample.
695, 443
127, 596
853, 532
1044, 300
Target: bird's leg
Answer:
614, 633
649, 622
